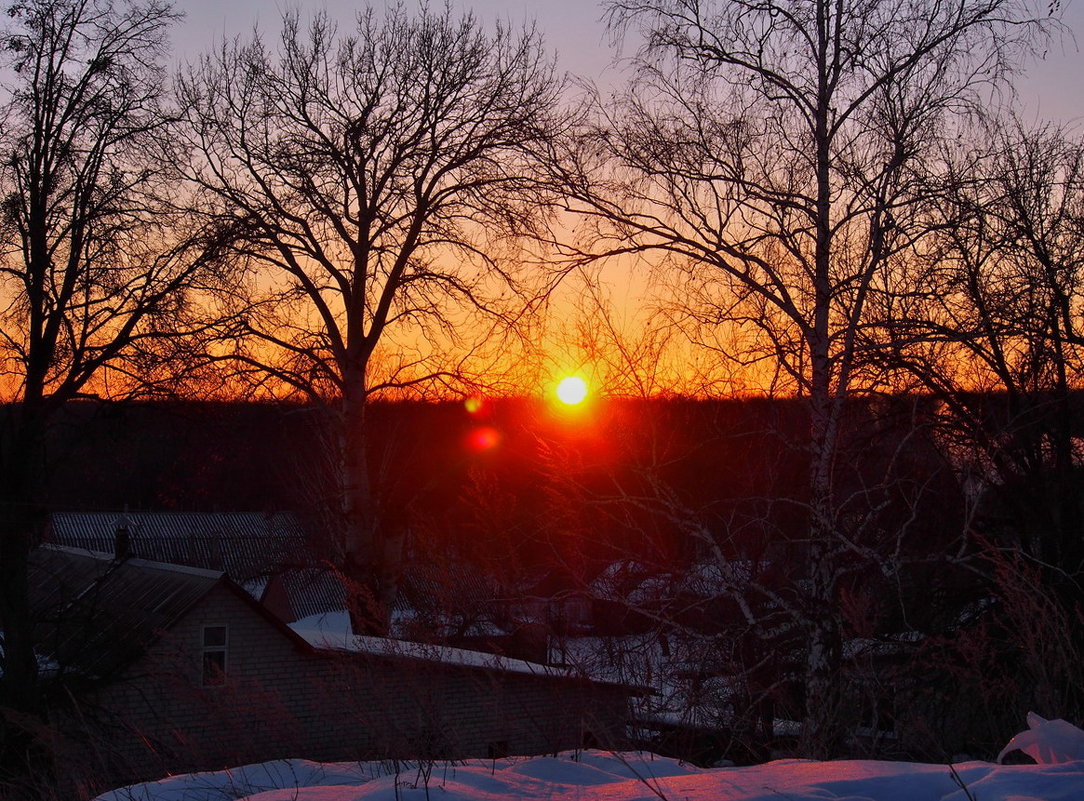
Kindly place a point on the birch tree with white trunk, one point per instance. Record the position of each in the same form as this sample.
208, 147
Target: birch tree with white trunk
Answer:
778, 158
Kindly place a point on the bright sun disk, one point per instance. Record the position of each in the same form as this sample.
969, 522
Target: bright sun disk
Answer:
572, 390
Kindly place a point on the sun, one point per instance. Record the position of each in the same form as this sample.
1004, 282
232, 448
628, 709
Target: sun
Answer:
572, 390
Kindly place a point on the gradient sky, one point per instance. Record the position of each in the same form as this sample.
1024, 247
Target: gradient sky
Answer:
571, 27
1053, 89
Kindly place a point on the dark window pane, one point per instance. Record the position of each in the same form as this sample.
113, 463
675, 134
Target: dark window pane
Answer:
214, 636
214, 668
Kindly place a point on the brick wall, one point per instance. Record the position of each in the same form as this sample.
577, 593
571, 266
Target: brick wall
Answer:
281, 699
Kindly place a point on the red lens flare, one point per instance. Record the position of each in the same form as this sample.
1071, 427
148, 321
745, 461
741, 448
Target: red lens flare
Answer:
483, 439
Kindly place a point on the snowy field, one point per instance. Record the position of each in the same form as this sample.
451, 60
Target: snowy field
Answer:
590, 775
1055, 745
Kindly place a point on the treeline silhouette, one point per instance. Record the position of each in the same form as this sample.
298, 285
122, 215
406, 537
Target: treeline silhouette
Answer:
594, 477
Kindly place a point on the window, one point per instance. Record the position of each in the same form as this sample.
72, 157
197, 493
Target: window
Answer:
215, 643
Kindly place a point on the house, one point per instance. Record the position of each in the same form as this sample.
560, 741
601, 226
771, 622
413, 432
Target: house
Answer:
178, 668
267, 553
447, 602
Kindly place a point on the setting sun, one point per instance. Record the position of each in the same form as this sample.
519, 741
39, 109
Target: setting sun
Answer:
572, 390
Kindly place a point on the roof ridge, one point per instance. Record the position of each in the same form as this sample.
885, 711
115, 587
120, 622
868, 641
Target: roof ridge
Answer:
135, 561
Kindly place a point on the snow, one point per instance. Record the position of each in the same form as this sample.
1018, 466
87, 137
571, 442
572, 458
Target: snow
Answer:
331, 631
1047, 741
605, 776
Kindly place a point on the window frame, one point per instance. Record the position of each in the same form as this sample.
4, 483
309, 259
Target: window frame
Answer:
214, 654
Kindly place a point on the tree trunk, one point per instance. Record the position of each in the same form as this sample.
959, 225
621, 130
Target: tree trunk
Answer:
21, 518
820, 725
19, 680
372, 552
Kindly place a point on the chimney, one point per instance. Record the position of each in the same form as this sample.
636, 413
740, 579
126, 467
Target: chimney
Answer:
122, 540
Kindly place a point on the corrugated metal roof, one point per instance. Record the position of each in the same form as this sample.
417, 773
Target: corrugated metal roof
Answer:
314, 591
448, 586
244, 545
95, 614
250, 547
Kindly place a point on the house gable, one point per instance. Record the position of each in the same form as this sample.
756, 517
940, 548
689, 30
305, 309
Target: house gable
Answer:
222, 681
254, 549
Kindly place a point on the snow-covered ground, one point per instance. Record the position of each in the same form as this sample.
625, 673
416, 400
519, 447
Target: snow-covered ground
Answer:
591, 775
1057, 747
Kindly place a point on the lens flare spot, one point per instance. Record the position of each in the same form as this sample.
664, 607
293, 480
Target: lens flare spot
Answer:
572, 390
474, 404
483, 439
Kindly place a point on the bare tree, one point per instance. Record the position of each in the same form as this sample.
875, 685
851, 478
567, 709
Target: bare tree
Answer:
94, 268
780, 158
628, 355
997, 336
373, 176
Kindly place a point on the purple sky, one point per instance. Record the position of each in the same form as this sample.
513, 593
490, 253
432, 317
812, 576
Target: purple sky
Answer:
1053, 89
571, 27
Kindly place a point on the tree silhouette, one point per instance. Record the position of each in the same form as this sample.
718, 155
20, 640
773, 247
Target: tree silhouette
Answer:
998, 338
373, 176
96, 266
995, 337
779, 158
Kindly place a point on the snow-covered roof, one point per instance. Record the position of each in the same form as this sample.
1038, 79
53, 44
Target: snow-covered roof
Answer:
887, 646
332, 632
634, 582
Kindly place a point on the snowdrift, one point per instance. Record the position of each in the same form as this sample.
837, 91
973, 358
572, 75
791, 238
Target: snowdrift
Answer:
579, 776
